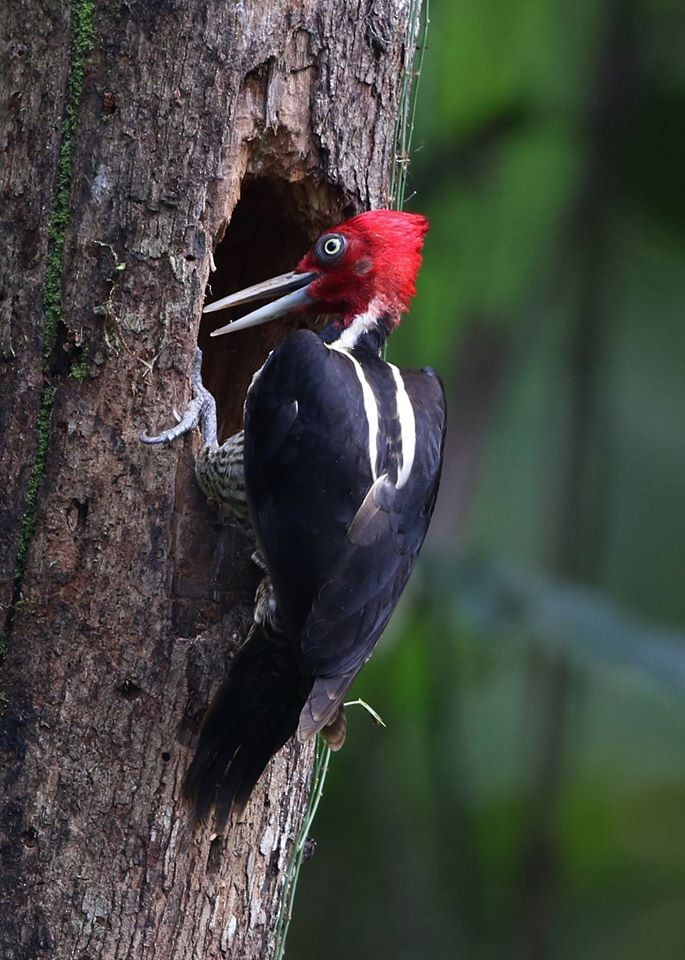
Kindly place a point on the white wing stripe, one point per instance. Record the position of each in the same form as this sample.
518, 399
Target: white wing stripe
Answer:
370, 406
405, 413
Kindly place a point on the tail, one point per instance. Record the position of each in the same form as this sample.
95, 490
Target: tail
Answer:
253, 714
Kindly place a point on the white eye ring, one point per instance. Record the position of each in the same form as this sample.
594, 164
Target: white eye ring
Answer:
330, 248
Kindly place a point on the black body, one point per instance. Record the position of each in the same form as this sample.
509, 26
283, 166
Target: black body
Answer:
339, 543
307, 472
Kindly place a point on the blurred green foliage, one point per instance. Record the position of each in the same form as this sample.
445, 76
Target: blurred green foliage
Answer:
528, 797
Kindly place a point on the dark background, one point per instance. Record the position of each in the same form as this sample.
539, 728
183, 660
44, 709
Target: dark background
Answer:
528, 797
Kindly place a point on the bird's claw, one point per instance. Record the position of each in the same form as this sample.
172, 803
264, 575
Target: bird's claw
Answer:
184, 424
201, 410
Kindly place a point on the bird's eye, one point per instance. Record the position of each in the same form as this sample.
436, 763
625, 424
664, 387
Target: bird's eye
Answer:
330, 247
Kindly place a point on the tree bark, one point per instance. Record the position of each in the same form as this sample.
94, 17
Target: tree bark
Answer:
136, 134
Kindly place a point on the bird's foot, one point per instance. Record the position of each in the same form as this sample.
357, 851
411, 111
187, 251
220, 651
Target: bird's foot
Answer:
335, 731
201, 411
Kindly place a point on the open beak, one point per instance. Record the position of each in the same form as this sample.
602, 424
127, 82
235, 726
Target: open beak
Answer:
293, 286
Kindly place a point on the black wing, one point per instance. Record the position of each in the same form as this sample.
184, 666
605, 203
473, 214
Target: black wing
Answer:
360, 592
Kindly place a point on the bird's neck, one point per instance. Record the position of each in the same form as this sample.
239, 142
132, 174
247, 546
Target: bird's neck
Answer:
367, 332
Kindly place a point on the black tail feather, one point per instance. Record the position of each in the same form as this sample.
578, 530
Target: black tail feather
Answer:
254, 712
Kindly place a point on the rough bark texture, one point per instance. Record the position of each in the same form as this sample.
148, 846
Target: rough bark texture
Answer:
123, 594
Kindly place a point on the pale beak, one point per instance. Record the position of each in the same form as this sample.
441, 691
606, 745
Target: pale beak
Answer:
293, 285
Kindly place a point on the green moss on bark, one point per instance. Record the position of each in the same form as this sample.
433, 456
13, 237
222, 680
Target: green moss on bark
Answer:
28, 520
80, 45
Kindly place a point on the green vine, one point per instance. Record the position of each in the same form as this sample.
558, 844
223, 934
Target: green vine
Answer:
80, 45
323, 756
419, 21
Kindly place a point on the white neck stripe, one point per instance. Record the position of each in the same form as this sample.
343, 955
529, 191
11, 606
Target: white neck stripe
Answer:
361, 324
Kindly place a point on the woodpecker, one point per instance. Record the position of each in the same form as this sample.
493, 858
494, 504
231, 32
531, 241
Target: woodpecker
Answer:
338, 469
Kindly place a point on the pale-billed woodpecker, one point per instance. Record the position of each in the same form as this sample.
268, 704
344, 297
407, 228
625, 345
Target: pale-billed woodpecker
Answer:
337, 468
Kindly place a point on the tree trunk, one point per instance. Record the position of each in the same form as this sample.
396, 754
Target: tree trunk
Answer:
136, 134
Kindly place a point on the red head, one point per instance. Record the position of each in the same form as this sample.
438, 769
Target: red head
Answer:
365, 266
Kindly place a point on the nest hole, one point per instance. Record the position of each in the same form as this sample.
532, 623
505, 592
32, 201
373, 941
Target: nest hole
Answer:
270, 230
